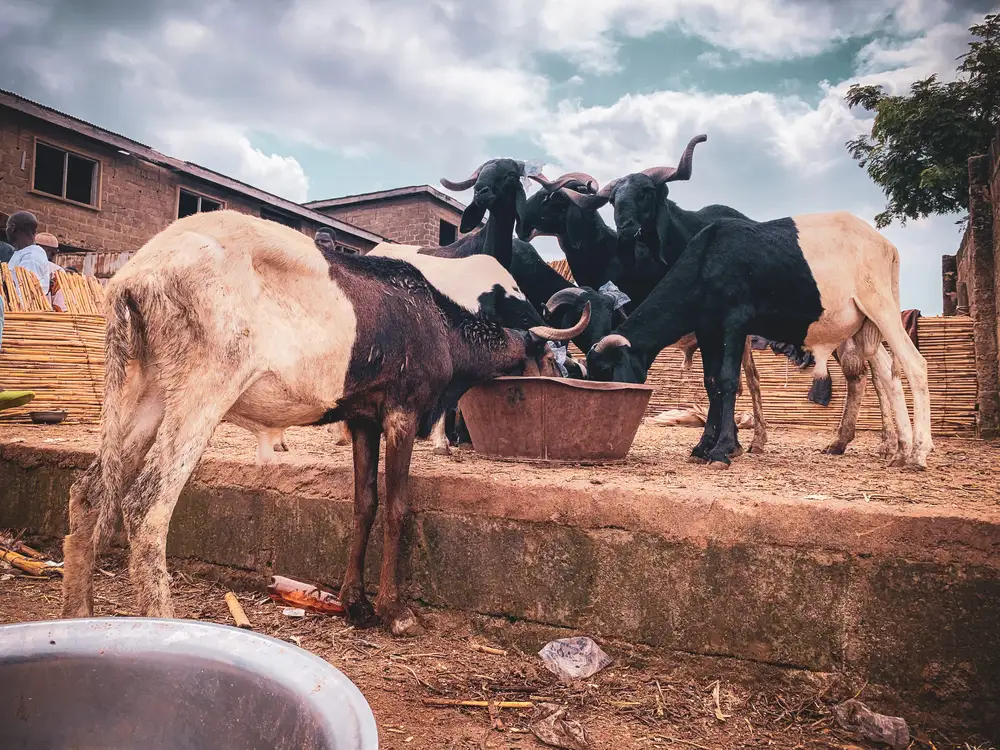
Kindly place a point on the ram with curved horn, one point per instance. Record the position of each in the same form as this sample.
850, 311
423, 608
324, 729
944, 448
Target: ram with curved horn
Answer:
223, 316
596, 256
823, 282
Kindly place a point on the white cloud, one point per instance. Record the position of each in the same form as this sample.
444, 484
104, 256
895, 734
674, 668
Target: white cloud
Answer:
442, 83
231, 153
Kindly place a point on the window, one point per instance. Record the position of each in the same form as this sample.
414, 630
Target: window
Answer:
65, 175
281, 218
446, 233
191, 203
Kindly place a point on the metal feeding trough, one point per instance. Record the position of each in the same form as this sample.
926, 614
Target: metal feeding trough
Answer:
152, 684
554, 419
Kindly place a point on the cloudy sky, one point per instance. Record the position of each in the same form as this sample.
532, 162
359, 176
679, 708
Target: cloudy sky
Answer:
319, 98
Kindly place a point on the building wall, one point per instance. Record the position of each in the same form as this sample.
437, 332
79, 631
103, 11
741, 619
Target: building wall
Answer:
976, 281
137, 199
408, 220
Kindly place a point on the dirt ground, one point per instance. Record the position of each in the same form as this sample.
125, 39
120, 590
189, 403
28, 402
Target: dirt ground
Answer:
962, 473
645, 699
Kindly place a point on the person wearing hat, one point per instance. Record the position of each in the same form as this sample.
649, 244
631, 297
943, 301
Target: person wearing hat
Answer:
50, 245
21, 229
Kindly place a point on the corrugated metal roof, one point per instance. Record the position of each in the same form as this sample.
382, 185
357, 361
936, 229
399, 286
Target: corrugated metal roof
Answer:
562, 266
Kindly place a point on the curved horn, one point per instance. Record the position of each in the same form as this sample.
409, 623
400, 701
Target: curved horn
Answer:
464, 184
610, 341
581, 182
586, 202
682, 171
569, 294
563, 334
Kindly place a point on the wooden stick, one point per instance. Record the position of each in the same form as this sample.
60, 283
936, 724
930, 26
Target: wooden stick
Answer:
487, 650
23, 563
236, 610
445, 703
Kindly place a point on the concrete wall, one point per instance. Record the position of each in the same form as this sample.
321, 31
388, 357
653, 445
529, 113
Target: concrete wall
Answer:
907, 599
136, 199
409, 220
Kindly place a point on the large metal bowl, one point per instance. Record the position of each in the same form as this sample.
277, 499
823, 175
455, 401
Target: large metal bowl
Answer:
149, 684
554, 419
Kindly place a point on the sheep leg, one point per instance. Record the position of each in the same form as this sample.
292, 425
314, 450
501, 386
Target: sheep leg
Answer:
80, 546
149, 504
890, 435
342, 431
726, 383
365, 438
439, 436
853, 366
882, 367
711, 359
400, 432
884, 314
753, 385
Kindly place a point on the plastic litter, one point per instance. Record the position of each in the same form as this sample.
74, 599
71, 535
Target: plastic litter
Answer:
865, 724
574, 658
550, 725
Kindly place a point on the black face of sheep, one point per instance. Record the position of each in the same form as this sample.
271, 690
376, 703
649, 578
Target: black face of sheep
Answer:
612, 360
566, 306
496, 188
545, 213
639, 200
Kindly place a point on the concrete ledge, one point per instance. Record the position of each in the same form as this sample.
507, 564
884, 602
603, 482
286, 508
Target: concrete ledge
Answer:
908, 596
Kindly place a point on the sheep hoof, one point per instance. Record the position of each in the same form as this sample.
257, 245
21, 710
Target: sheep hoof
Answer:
737, 451
405, 625
442, 450
280, 447
835, 449
720, 465
756, 448
898, 460
693, 459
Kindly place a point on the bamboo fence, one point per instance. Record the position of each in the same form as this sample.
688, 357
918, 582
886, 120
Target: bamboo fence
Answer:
26, 296
58, 356
84, 295
945, 342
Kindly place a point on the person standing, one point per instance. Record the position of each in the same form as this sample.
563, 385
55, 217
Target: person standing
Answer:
50, 244
21, 229
6, 249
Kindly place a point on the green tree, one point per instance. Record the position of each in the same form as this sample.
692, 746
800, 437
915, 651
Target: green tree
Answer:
920, 144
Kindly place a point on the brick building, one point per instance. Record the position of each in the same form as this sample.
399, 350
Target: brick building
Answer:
971, 279
416, 215
104, 195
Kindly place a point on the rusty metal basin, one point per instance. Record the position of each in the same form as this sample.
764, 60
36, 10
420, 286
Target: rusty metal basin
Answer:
554, 419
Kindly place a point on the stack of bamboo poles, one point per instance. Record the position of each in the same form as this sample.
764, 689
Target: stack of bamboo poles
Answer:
58, 356
26, 296
84, 295
946, 344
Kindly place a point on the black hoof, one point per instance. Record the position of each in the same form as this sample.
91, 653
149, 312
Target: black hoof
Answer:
835, 449
361, 614
821, 391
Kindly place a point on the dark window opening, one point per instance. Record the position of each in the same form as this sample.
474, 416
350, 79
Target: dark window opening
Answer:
288, 221
446, 233
192, 203
65, 175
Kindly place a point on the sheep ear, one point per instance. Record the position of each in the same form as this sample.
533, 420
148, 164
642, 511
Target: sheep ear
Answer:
471, 216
